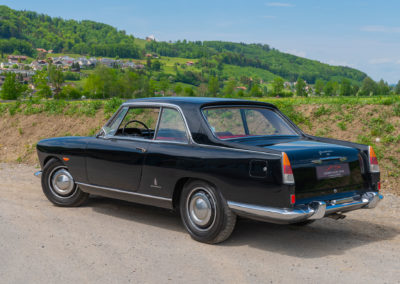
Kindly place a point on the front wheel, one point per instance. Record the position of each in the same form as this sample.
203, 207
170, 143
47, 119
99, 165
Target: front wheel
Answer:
205, 214
59, 186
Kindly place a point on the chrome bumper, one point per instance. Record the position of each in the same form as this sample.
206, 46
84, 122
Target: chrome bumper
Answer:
38, 174
311, 211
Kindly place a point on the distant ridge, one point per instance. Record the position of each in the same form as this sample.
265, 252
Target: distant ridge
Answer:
22, 32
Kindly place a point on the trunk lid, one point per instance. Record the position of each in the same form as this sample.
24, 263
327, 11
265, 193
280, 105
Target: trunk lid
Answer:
321, 168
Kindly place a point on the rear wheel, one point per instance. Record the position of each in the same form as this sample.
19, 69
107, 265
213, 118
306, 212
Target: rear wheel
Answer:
59, 186
205, 214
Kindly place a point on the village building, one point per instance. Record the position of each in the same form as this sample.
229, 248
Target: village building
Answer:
16, 58
150, 38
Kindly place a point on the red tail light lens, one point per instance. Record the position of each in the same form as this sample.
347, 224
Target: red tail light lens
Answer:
379, 185
287, 171
292, 199
373, 161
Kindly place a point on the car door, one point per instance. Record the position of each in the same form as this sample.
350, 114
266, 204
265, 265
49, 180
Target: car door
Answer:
167, 156
115, 159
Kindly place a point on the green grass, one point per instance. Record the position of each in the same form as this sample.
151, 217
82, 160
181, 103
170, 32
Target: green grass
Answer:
350, 101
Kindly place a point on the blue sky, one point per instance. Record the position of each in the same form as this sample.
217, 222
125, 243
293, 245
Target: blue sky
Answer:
363, 34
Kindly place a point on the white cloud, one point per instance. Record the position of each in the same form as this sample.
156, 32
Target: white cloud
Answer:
279, 4
380, 29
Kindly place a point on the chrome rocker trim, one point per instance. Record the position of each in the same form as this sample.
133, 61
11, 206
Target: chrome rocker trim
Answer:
312, 211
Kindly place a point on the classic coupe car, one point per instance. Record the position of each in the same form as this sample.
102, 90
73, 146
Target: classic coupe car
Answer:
211, 160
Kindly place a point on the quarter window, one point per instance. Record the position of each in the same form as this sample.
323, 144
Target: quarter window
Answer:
171, 126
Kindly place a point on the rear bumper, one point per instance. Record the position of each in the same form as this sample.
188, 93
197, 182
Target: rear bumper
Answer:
312, 211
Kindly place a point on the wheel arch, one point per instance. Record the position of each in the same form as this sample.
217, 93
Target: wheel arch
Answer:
49, 158
179, 186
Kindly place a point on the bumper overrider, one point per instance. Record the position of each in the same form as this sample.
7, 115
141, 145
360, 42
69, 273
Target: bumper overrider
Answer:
312, 211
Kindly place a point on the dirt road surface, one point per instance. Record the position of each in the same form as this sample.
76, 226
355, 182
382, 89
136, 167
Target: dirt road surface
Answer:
110, 241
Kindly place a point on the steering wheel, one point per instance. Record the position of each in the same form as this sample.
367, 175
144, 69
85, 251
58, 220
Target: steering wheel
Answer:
137, 121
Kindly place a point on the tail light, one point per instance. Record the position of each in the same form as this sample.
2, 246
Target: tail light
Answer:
292, 199
379, 185
373, 161
287, 171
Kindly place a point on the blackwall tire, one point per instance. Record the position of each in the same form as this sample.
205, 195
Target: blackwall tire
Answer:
205, 214
59, 186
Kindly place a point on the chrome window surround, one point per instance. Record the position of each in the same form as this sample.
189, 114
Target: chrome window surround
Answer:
152, 105
189, 134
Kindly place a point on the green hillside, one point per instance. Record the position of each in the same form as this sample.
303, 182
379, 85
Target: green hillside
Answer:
21, 32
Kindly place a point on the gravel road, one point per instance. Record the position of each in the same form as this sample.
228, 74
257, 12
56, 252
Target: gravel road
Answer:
110, 241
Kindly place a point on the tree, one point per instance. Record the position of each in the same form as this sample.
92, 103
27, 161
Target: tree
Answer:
12, 89
189, 91
56, 78
319, 87
369, 87
103, 83
277, 86
164, 85
213, 86
355, 90
178, 89
156, 65
330, 88
301, 88
148, 63
202, 90
345, 88
70, 92
397, 88
255, 91
229, 89
383, 88
40, 81
75, 67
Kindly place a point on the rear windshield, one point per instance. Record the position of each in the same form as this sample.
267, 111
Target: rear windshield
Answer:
238, 122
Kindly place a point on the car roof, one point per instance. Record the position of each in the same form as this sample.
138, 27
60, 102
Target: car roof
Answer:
199, 101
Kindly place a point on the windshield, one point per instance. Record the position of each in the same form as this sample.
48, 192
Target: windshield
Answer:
237, 122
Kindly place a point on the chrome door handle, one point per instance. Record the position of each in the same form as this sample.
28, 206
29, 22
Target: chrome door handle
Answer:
143, 150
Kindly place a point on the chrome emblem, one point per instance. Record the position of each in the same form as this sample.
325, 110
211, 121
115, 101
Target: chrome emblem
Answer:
155, 184
335, 190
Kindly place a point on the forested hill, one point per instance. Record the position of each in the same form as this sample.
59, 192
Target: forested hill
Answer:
261, 56
21, 32
25, 30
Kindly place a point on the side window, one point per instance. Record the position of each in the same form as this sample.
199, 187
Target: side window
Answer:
172, 126
139, 122
112, 127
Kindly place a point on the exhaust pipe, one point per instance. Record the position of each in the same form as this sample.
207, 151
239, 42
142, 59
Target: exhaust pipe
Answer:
337, 216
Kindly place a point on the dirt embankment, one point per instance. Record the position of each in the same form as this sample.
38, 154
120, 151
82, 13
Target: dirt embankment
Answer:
378, 125
20, 133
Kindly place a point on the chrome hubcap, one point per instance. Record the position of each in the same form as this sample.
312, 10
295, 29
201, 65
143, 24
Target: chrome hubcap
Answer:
62, 182
200, 209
